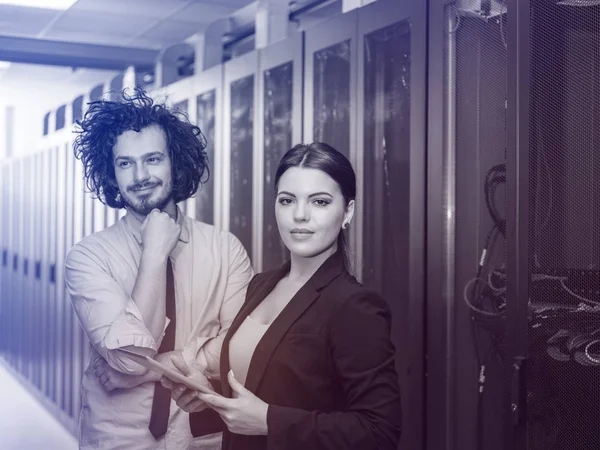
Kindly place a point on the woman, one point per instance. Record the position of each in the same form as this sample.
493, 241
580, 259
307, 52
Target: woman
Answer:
309, 360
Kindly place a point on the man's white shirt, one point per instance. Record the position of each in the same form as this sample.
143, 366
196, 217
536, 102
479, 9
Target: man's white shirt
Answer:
211, 272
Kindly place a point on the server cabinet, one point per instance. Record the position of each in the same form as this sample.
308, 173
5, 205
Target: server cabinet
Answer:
60, 307
8, 304
70, 326
53, 380
4, 276
329, 83
13, 263
467, 230
330, 90
240, 149
179, 96
208, 90
36, 266
80, 342
390, 160
46, 199
24, 267
17, 265
279, 128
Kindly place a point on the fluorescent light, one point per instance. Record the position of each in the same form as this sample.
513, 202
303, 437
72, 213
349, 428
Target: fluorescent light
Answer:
47, 4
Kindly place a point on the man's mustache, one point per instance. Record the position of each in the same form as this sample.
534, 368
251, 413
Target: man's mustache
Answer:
137, 187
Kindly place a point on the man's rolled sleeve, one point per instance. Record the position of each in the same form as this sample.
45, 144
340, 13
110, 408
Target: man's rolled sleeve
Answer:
107, 314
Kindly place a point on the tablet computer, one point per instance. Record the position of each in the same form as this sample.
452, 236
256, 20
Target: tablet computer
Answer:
168, 372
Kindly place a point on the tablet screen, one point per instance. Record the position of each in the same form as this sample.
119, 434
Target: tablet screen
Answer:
168, 372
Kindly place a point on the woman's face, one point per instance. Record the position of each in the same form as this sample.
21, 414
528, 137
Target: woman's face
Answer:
310, 211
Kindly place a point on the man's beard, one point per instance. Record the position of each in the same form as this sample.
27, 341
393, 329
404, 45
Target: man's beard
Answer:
144, 206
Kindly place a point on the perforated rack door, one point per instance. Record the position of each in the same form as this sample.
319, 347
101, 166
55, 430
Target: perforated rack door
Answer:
563, 381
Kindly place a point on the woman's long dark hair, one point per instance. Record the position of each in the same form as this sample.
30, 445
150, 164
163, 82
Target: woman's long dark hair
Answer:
106, 120
324, 157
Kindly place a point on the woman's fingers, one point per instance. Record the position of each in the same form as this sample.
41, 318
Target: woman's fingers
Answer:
215, 401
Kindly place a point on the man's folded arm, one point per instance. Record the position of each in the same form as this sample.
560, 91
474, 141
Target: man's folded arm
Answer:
108, 315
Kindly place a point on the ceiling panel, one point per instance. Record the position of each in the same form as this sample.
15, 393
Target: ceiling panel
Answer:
130, 8
203, 12
174, 31
24, 21
99, 24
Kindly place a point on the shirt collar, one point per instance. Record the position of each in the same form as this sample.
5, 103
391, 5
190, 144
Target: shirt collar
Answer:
135, 227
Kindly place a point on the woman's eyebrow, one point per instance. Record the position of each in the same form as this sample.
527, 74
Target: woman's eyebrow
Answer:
310, 195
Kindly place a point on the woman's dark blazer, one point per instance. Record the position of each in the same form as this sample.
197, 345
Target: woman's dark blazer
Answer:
325, 366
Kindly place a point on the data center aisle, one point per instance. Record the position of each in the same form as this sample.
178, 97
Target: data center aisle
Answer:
24, 423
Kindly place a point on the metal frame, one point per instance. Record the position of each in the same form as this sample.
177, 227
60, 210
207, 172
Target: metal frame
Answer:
236, 69
517, 218
440, 232
270, 57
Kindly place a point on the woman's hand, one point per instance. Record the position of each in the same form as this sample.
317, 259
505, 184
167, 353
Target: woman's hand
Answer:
245, 413
111, 379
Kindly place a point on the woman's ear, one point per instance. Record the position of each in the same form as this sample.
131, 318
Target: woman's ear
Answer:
349, 214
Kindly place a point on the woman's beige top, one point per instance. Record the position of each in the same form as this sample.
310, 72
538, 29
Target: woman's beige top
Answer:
242, 346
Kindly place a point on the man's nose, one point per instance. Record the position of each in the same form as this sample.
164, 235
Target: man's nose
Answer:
141, 173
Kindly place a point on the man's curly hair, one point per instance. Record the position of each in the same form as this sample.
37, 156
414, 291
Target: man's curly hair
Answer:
106, 120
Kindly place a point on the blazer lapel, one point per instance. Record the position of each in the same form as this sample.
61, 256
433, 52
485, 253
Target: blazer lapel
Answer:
305, 297
264, 286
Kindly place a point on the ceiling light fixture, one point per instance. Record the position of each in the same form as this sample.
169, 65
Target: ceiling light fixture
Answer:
46, 4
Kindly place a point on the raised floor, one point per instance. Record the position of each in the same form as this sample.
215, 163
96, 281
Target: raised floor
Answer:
24, 423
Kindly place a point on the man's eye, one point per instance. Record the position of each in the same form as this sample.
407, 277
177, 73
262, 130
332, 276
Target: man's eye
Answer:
123, 164
153, 159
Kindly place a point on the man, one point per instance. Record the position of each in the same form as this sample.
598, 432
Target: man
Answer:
156, 282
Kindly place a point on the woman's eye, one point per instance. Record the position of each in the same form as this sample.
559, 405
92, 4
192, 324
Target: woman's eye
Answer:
285, 201
321, 202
